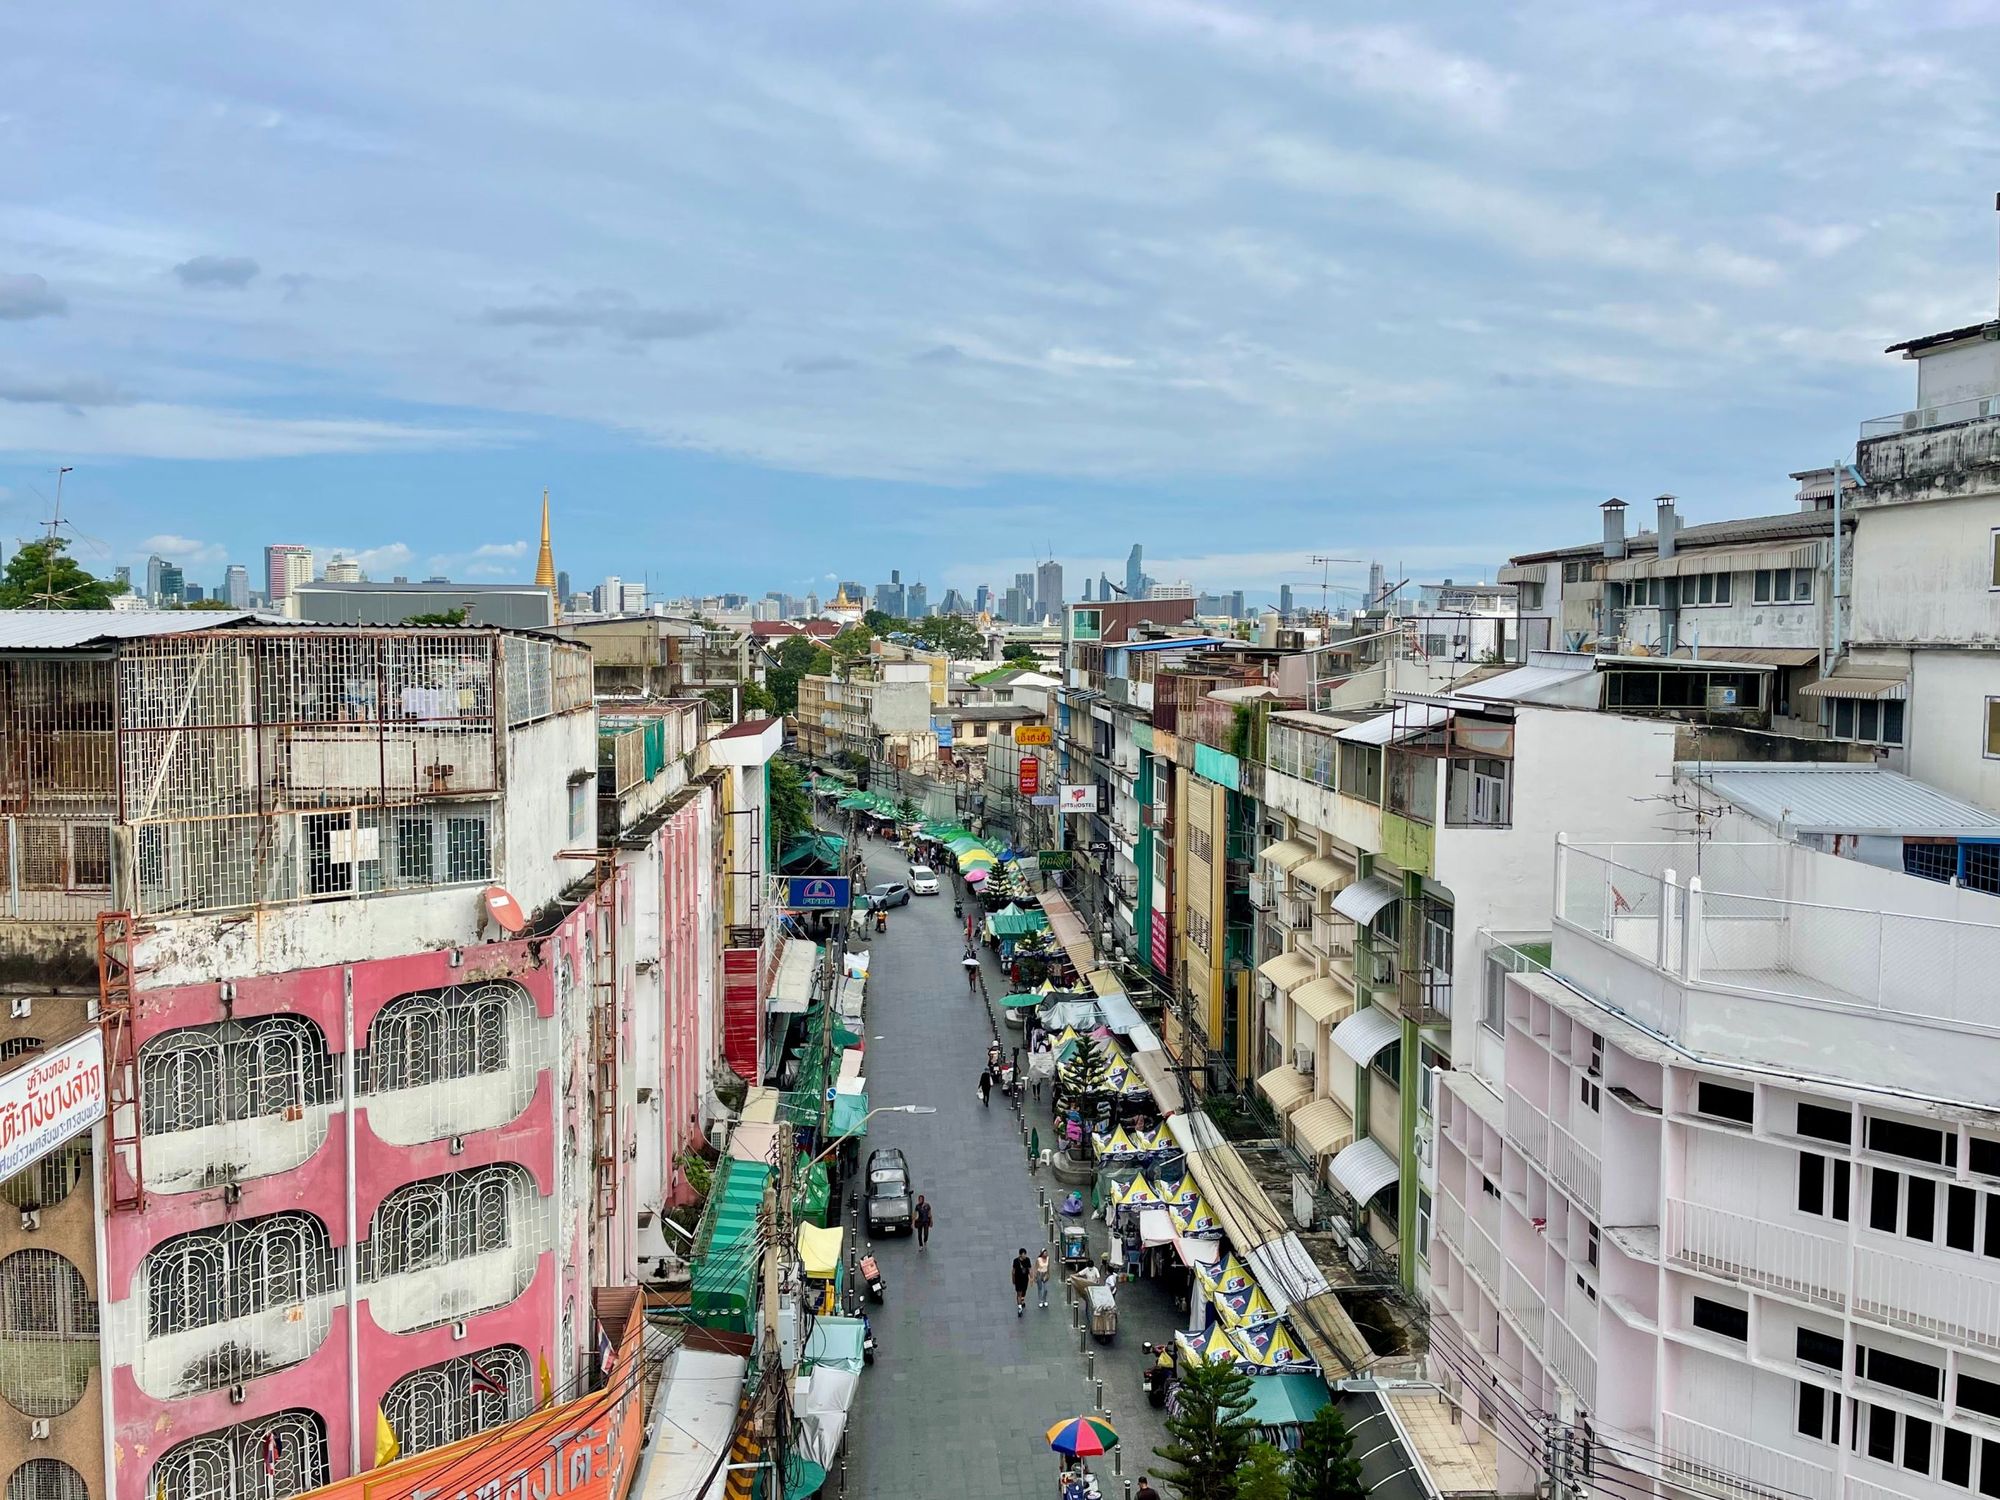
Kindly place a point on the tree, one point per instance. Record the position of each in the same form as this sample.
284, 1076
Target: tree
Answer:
1263, 1475
850, 647
799, 656
1020, 653
757, 699
883, 623
1325, 1467
791, 803
42, 575
907, 810
1210, 1432
454, 616
1081, 1080
952, 634
207, 605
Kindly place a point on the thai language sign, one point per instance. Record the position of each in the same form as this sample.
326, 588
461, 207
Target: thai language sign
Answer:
49, 1099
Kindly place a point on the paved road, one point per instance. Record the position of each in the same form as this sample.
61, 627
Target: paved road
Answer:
962, 1390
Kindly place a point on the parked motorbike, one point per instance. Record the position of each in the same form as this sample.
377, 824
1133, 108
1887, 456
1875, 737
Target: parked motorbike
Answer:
1158, 1374
867, 1341
871, 1278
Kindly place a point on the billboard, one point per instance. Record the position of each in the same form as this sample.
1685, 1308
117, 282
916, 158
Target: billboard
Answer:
50, 1099
1031, 777
1033, 734
1077, 799
818, 892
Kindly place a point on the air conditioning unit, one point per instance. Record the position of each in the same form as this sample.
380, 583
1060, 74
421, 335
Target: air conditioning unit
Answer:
1302, 1060
1357, 1253
21, 1008
1342, 1230
458, 1145
31, 1220
458, 1330
38, 1430
232, 1193
237, 1395
1424, 1149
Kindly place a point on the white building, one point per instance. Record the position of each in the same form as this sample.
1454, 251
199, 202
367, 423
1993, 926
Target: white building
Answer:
1729, 1212
1923, 634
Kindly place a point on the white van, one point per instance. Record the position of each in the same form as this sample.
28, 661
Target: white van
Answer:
923, 880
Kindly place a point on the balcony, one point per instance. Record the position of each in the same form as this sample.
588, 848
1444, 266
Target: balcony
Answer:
1575, 1166
452, 1290
1710, 1461
1896, 1291
1568, 1358
233, 1350
1528, 1128
1926, 418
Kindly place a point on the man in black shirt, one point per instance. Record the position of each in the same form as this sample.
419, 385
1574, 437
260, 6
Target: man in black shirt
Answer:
1023, 1269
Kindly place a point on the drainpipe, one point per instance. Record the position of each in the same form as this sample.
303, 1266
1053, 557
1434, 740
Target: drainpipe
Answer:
100, 1145
353, 1232
1833, 604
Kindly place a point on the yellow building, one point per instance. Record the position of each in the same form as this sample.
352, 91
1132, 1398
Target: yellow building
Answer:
1201, 908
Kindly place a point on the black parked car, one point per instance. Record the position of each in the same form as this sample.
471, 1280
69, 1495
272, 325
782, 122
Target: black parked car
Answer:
889, 1196
883, 896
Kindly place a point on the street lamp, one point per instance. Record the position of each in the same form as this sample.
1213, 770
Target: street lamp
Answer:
880, 1109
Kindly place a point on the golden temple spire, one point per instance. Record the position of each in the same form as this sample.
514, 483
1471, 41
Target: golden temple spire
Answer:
545, 564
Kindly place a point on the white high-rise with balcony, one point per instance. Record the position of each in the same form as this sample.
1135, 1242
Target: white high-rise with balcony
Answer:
1731, 1223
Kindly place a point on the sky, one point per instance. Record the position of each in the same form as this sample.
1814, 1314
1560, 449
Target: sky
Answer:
769, 294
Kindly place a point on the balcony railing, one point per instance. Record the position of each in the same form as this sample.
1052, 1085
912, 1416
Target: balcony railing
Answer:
1574, 1165
1936, 1301
1720, 1463
1528, 1128
1483, 1256
1923, 418
1522, 1299
1757, 1252
1568, 1358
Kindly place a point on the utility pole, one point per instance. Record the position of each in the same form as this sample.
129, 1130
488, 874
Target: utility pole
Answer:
54, 523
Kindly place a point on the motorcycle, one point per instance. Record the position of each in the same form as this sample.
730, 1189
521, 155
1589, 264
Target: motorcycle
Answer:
867, 1341
1158, 1375
871, 1278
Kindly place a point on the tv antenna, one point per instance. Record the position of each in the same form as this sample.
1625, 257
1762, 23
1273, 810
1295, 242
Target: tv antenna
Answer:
47, 599
1326, 581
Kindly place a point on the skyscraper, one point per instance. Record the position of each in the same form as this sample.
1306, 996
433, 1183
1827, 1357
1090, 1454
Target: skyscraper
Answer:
1135, 572
889, 596
156, 566
1049, 589
1013, 607
982, 599
1025, 582
236, 586
173, 587
917, 601
611, 595
1086, 590
1104, 587
343, 570
562, 585
286, 565
1285, 600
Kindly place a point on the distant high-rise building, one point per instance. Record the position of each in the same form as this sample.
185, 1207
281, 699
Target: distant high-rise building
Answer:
1135, 572
889, 596
343, 570
1181, 590
917, 601
1049, 589
1013, 606
1025, 582
854, 591
610, 595
982, 600
1104, 587
286, 565
632, 599
954, 603
1378, 585
193, 593
173, 585
122, 574
811, 611
1285, 600
1236, 604
156, 568
1088, 585
236, 586
562, 584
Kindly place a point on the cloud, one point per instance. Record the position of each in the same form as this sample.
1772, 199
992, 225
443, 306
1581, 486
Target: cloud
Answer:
377, 562
213, 272
500, 549
819, 364
156, 429
611, 312
71, 390
183, 549
25, 295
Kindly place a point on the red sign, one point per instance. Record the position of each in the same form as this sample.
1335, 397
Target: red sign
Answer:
1160, 941
1031, 777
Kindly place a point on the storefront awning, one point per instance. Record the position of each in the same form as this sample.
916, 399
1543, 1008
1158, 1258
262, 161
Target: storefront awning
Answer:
791, 987
1287, 854
819, 1250
1285, 1087
702, 1389
1287, 971
1325, 1000
1150, 1063
1860, 682
1366, 1033
1285, 1271
1363, 1170
1323, 1127
1363, 901
1069, 930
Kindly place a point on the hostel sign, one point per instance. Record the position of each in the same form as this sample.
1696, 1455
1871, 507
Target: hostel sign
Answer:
818, 892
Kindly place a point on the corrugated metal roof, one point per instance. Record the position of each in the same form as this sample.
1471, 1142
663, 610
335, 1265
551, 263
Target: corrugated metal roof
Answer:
1521, 683
1178, 643
1844, 799
68, 629
1405, 722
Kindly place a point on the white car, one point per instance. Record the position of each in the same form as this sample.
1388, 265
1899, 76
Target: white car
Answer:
923, 880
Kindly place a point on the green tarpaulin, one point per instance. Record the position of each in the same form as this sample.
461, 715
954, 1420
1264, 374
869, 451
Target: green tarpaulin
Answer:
1022, 1001
1282, 1400
722, 1289
1012, 921
803, 1477
850, 1116
812, 1193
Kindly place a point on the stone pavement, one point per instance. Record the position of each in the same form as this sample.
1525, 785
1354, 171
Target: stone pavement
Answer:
962, 1390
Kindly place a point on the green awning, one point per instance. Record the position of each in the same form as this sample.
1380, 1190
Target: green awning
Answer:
803, 1477
1284, 1400
812, 1194
722, 1286
1012, 921
1022, 1001
850, 1116
843, 1038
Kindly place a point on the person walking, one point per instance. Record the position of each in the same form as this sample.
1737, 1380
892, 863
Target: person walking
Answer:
1145, 1490
1023, 1268
985, 1087
1042, 1277
923, 1217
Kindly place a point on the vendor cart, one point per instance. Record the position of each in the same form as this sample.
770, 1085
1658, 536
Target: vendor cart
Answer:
1075, 1246
1103, 1313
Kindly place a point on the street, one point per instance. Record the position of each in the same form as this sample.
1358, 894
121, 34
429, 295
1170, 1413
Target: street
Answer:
962, 1390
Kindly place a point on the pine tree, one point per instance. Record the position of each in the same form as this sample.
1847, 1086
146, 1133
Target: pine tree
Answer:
1263, 1475
1324, 1468
1081, 1080
1209, 1435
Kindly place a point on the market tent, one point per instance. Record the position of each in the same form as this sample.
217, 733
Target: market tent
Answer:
836, 1341
1022, 1001
1196, 1220
812, 1193
725, 1251
819, 1250
1156, 1227
850, 1116
1138, 1193
748, 1142
1287, 1400
1012, 921
1246, 1309
1230, 1276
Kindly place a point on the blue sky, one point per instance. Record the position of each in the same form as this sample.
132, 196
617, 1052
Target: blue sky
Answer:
769, 293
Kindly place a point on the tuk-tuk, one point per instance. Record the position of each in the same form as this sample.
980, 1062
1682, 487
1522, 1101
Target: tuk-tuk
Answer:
1075, 1246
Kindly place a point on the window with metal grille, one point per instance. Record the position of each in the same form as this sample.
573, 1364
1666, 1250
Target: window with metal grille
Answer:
48, 1332
1982, 867
443, 1403
447, 1218
20, 1046
465, 851
277, 1456
46, 1182
436, 1035
210, 1276
209, 1075
1930, 861
46, 1479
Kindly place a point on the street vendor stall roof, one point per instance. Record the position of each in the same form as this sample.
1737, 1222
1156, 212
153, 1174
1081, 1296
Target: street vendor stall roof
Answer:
819, 1250
850, 1116
791, 987
1069, 930
702, 1389
1151, 1064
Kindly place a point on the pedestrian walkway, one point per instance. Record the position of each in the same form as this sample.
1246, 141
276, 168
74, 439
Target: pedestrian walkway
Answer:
962, 1390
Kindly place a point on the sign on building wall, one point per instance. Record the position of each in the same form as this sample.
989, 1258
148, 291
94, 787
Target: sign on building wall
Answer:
1159, 943
818, 892
1078, 799
52, 1098
1053, 859
1031, 777
1033, 734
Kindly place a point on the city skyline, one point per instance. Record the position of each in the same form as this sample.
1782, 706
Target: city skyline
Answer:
1278, 336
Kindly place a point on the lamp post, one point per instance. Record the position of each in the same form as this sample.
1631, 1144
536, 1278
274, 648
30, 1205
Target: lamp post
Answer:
880, 1109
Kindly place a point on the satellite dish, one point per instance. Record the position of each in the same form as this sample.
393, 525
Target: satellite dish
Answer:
504, 909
